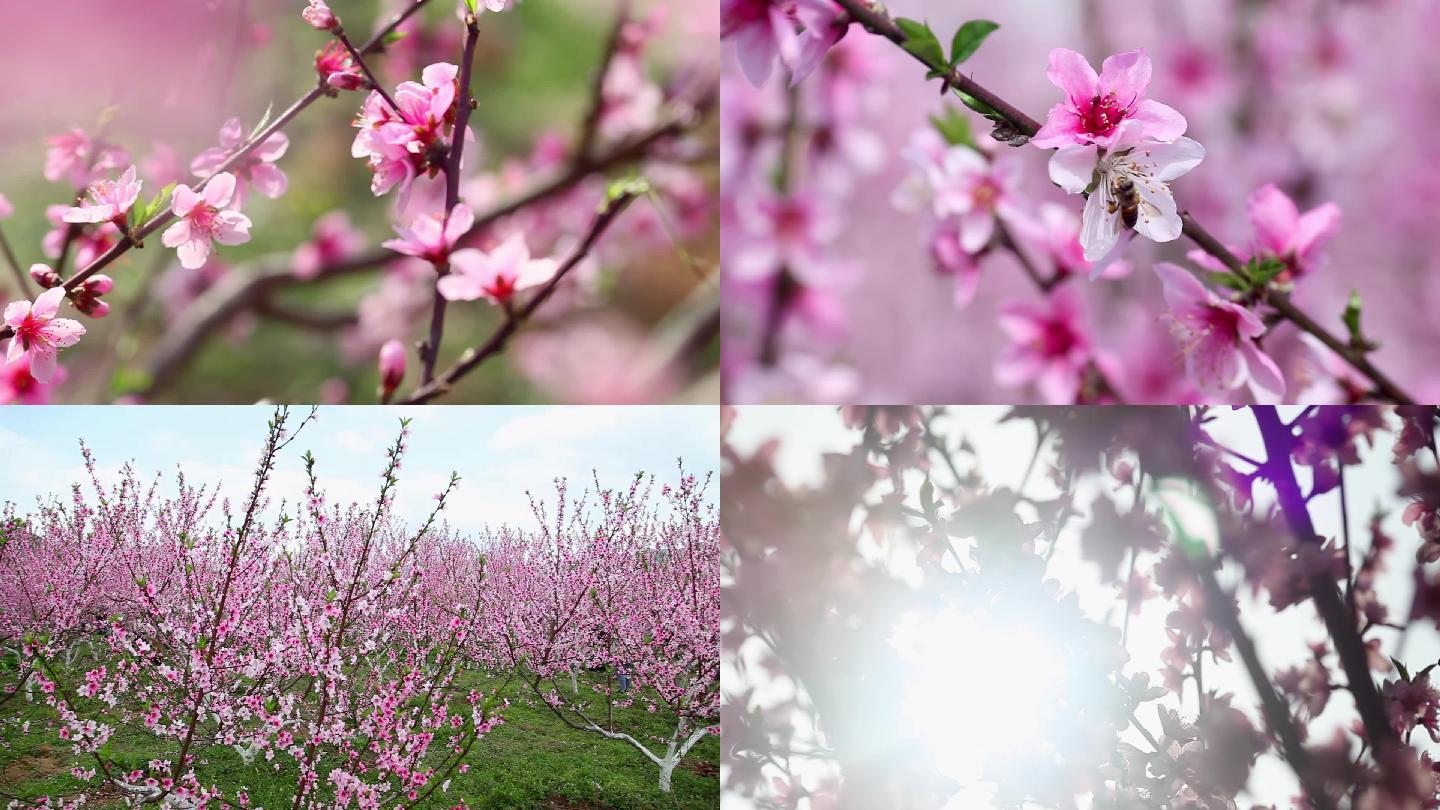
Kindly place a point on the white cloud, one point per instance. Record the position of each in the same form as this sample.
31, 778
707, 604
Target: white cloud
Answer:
555, 426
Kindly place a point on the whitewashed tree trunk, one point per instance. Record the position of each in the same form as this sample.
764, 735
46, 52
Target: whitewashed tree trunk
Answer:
674, 752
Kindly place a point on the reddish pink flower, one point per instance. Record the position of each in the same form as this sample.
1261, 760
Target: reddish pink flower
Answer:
332, 239
256, 168
1218, 338
39, 335
109, 200
337, 67
1282, 232
320, 17
1109, 110
782, 233
402, 144
205, 219
496, 275
431, 236
19, 387
1050, 346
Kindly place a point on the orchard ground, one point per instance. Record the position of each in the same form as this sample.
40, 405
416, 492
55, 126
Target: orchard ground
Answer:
533, 760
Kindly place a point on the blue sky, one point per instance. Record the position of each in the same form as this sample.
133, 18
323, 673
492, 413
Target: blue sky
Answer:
499, 451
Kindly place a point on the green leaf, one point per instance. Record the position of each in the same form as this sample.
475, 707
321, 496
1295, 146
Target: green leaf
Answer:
1228, 280
395, 36
921, 41
1352, 316
1262, 271
968, 38
979, 106
264, 121
954, 127
632, 186
470, 4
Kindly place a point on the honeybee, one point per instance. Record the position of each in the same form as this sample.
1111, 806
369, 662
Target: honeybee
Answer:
1125, 199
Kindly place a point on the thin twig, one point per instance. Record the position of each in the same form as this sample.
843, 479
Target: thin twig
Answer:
430, 349
472, 358
590, 130
364, 68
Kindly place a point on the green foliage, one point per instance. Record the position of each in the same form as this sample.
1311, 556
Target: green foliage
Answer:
921, 41
954, 128
967, 40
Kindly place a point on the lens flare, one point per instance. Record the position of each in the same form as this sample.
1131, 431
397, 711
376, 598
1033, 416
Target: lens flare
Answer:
979, 690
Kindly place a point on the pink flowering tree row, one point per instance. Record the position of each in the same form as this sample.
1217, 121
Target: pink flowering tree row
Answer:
1198, 639
328, 643
501, 242
801, 136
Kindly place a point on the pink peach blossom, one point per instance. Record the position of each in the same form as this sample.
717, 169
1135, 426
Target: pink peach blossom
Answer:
1218, 338
431, 236
19, 387
205, 219
332, 239
86, 245
39, 335
400, 144
496, 275
257, 168
1109, 110
79, 158
109, 200
1050, 347
319, 16
337, 67
763, 30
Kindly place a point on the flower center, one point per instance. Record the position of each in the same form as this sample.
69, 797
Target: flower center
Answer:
502, 288
985, 193
30, 331
1103, 114
790, 222
203, 217
1056, 340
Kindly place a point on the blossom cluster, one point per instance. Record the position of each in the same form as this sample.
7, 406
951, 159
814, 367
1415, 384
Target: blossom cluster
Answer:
801, 325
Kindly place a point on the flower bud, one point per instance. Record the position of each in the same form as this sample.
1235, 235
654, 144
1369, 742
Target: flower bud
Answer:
320, 17
44, 276
99, 285
392, 368
96, 309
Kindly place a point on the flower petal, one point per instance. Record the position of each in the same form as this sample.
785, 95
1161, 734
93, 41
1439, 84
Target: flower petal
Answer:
48, 304
1126, 75
1182, 290
220, 189
1072, 168
1316, 226
1099, 229
1070, 72
1266, 381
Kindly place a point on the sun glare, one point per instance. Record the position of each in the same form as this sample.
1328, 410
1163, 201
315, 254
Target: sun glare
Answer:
978, 690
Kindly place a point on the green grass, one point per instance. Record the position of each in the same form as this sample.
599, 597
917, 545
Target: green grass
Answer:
533, 760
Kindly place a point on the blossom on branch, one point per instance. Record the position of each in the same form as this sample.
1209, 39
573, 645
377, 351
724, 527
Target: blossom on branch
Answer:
39, 335
205, 217
1109, 110
401, 144
1148, 168
108, 201
496, 275
256, 168
1217, 338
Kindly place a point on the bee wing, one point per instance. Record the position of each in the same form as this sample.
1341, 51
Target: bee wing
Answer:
1158, 219
1100, 225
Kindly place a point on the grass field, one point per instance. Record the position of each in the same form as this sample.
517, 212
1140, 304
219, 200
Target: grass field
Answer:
532, 761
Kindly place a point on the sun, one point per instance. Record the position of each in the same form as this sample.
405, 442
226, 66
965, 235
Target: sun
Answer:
978, 690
